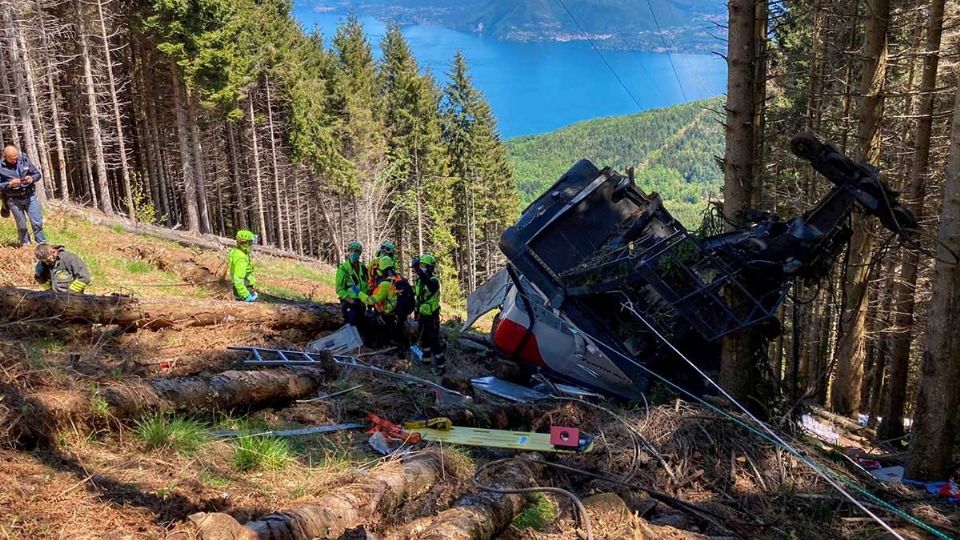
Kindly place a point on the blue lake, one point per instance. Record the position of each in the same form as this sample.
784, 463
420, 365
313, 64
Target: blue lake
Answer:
539, 87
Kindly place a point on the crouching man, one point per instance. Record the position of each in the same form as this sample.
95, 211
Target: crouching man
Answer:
60, 271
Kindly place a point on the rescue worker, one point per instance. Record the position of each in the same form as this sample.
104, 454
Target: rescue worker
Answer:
242, 276
59, 270
388, 324
350, 283
387, 248
426, 292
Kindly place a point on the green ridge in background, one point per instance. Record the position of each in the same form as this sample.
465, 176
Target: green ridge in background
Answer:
673, 149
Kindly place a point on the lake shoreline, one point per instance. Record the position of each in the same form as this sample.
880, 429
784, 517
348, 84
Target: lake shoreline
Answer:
540, 86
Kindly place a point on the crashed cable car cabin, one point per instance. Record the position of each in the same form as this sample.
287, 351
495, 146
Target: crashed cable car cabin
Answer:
602, 282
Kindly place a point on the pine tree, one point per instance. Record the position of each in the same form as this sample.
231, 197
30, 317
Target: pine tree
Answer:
417, 158
483, 185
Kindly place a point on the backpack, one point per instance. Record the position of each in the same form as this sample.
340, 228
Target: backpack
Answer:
406, 302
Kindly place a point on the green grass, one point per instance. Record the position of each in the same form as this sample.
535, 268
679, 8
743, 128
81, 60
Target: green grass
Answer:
282, 292
213, 481
179, 434
115, 270
139, 267
261, 453
99, 407
537, 516
38, 350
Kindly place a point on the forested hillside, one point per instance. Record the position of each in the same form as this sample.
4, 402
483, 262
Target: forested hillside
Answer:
674, 151
215, 115
687, 25
879, 79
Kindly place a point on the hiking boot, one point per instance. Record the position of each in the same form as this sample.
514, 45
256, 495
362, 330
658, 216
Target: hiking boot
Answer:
4, 211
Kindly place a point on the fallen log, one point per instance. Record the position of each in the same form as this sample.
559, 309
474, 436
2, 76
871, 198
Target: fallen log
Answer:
385, 490
46, 413
186, 264
477, 516
24, 304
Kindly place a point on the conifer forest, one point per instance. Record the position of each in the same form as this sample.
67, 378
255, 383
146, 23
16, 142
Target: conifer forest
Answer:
142, 404
212, 116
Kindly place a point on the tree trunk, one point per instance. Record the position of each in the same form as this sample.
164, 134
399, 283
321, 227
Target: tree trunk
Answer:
41, 152
48, 412
256, 166
180, 108
106, 202
145, 155
117, 119
57, 131
298, 187
892, 425
198, 169
387, 490
873, 384
845, 393
87, 168
29, 142
478, 516
737, 371
23, 304
935, 418
848, 74
240, 219
7, 99
281, 241
156, 156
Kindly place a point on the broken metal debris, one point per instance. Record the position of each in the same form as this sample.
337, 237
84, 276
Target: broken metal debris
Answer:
328, 396
282, 357
604, 286
507, 390
343, 341
230, 434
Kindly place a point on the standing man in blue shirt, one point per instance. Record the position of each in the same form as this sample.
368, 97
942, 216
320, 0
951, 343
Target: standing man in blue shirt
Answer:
18, 186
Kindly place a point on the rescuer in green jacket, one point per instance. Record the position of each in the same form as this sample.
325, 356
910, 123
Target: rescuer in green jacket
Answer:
242, 276
426, 292
387, 299
351, 282
59, 270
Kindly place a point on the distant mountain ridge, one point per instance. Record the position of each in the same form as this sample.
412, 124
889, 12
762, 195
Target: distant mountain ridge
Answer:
687, 25
673, 150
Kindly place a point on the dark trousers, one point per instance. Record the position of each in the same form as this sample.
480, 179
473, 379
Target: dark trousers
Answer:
353, 312
429, 332
388, 329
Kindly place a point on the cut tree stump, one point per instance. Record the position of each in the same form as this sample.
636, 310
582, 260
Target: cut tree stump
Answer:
26, 305
479, 516
387, 489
